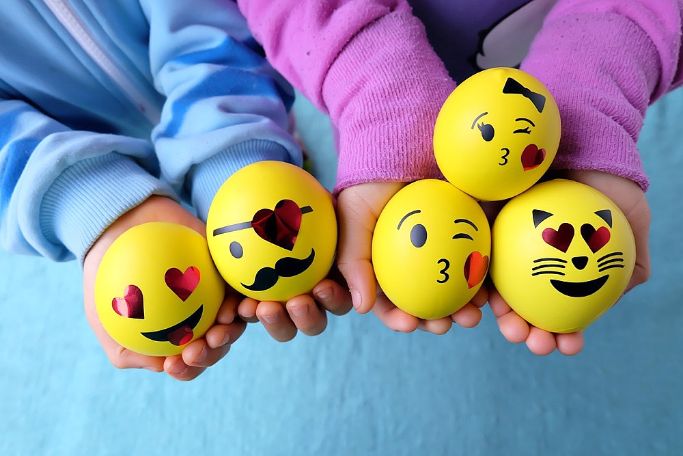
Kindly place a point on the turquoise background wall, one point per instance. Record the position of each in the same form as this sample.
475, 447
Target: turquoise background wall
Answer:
360, 389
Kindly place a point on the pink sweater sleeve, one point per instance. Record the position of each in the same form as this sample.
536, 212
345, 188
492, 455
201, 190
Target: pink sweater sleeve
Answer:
606, 62
369, 65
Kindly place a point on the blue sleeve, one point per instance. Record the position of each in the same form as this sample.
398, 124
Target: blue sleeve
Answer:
225, 106
59, 188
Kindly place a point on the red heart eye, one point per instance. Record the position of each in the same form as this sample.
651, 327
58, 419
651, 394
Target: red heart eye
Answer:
596, 239
130, 306
182, 283
281, 226
560, 238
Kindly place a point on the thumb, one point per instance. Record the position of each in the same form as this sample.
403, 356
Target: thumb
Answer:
358, 208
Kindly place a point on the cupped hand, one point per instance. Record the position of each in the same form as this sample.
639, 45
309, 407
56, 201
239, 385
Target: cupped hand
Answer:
196, 356
631, 200
358, 208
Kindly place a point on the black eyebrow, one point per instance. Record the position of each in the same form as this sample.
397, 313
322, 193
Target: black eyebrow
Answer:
526, 120
468, 222
245, 225
477, 118
416, 211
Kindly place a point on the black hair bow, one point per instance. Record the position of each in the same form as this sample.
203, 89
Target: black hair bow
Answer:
512, 86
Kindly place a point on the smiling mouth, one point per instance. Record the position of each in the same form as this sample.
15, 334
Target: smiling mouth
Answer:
579, 289
179, 334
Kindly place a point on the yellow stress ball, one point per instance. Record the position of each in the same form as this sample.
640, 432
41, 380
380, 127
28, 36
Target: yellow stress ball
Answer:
157, 289
563, 253
430, 249
497, 133
272, 231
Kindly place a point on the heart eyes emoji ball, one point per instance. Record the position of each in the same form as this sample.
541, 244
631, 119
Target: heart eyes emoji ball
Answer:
272, 231
430, 249
154, 297
563, 253
497, 133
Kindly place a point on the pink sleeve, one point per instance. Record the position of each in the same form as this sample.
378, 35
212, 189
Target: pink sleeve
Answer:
369, 65
606, 62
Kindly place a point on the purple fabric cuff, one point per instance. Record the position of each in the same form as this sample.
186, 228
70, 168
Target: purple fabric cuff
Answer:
383, 92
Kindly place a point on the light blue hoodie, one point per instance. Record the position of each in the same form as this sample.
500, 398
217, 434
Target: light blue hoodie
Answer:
104, 103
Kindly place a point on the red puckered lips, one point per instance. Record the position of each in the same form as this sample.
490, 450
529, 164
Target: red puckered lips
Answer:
532, 157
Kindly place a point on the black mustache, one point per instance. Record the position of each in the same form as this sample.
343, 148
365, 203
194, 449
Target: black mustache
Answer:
284, 267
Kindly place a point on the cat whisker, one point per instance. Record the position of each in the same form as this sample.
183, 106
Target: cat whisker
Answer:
613, 260
610, 255
612, 266
548, 266
559, 260
548, 272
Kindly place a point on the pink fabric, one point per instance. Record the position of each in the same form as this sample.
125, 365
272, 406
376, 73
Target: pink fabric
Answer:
369, 65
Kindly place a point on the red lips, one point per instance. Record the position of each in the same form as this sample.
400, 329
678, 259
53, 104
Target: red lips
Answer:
476, 267
532, 157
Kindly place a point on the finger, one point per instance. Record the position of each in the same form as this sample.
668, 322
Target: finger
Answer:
332, 297
498, 305
228, 309
393, 317
438, 327
513, 327
540, 342
220, 335
276, 321
199, 354
468, 316
481, 297
570, 344
176, 368
306, 315
246, 309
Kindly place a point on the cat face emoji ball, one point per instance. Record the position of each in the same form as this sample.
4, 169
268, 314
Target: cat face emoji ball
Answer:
272, 231
497, 133
430, 249
563, 253
153, 297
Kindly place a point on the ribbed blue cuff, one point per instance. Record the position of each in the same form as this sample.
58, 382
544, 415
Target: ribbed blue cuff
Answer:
206, 178
90, 195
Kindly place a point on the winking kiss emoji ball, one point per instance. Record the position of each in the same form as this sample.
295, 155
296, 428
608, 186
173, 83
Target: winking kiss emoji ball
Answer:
430, 249
272, 231
563, 253
154, 297
497, 133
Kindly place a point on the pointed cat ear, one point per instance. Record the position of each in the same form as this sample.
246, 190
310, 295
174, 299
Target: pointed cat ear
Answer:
606, 215
539, 216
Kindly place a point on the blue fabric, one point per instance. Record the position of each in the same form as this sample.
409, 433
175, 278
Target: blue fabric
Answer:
360, 389
158, 87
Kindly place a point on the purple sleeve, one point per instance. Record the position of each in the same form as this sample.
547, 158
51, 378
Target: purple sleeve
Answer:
369, 65
606, 62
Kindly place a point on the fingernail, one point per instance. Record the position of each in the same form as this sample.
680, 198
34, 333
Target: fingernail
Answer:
323, 294
201, 357
299, 311
270, 318
225, 339
356, 299
177, 369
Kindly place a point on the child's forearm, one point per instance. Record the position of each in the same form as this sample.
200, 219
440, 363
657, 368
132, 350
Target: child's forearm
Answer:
370, 66
606, 62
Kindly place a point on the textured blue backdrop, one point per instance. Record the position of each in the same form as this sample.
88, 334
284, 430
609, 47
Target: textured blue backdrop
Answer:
359, 388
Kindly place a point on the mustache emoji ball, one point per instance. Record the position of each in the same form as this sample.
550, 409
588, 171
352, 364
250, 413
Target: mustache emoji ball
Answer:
153, 297
563, 253
272, 231
497, 133
430, 249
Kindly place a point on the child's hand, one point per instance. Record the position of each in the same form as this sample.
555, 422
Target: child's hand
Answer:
358, 208
199, 354
306, 313
631, 200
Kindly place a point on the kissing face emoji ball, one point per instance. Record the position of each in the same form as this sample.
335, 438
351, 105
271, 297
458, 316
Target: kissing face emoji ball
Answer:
430, 249
497, 133
272, 231
563, 253
153, 297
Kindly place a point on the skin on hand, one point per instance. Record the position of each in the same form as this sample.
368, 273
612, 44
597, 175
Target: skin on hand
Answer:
358, 208
631, 200
196, 356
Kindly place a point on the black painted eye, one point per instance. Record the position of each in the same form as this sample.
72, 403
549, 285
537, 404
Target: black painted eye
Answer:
487, 131
236, 249
418, 235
